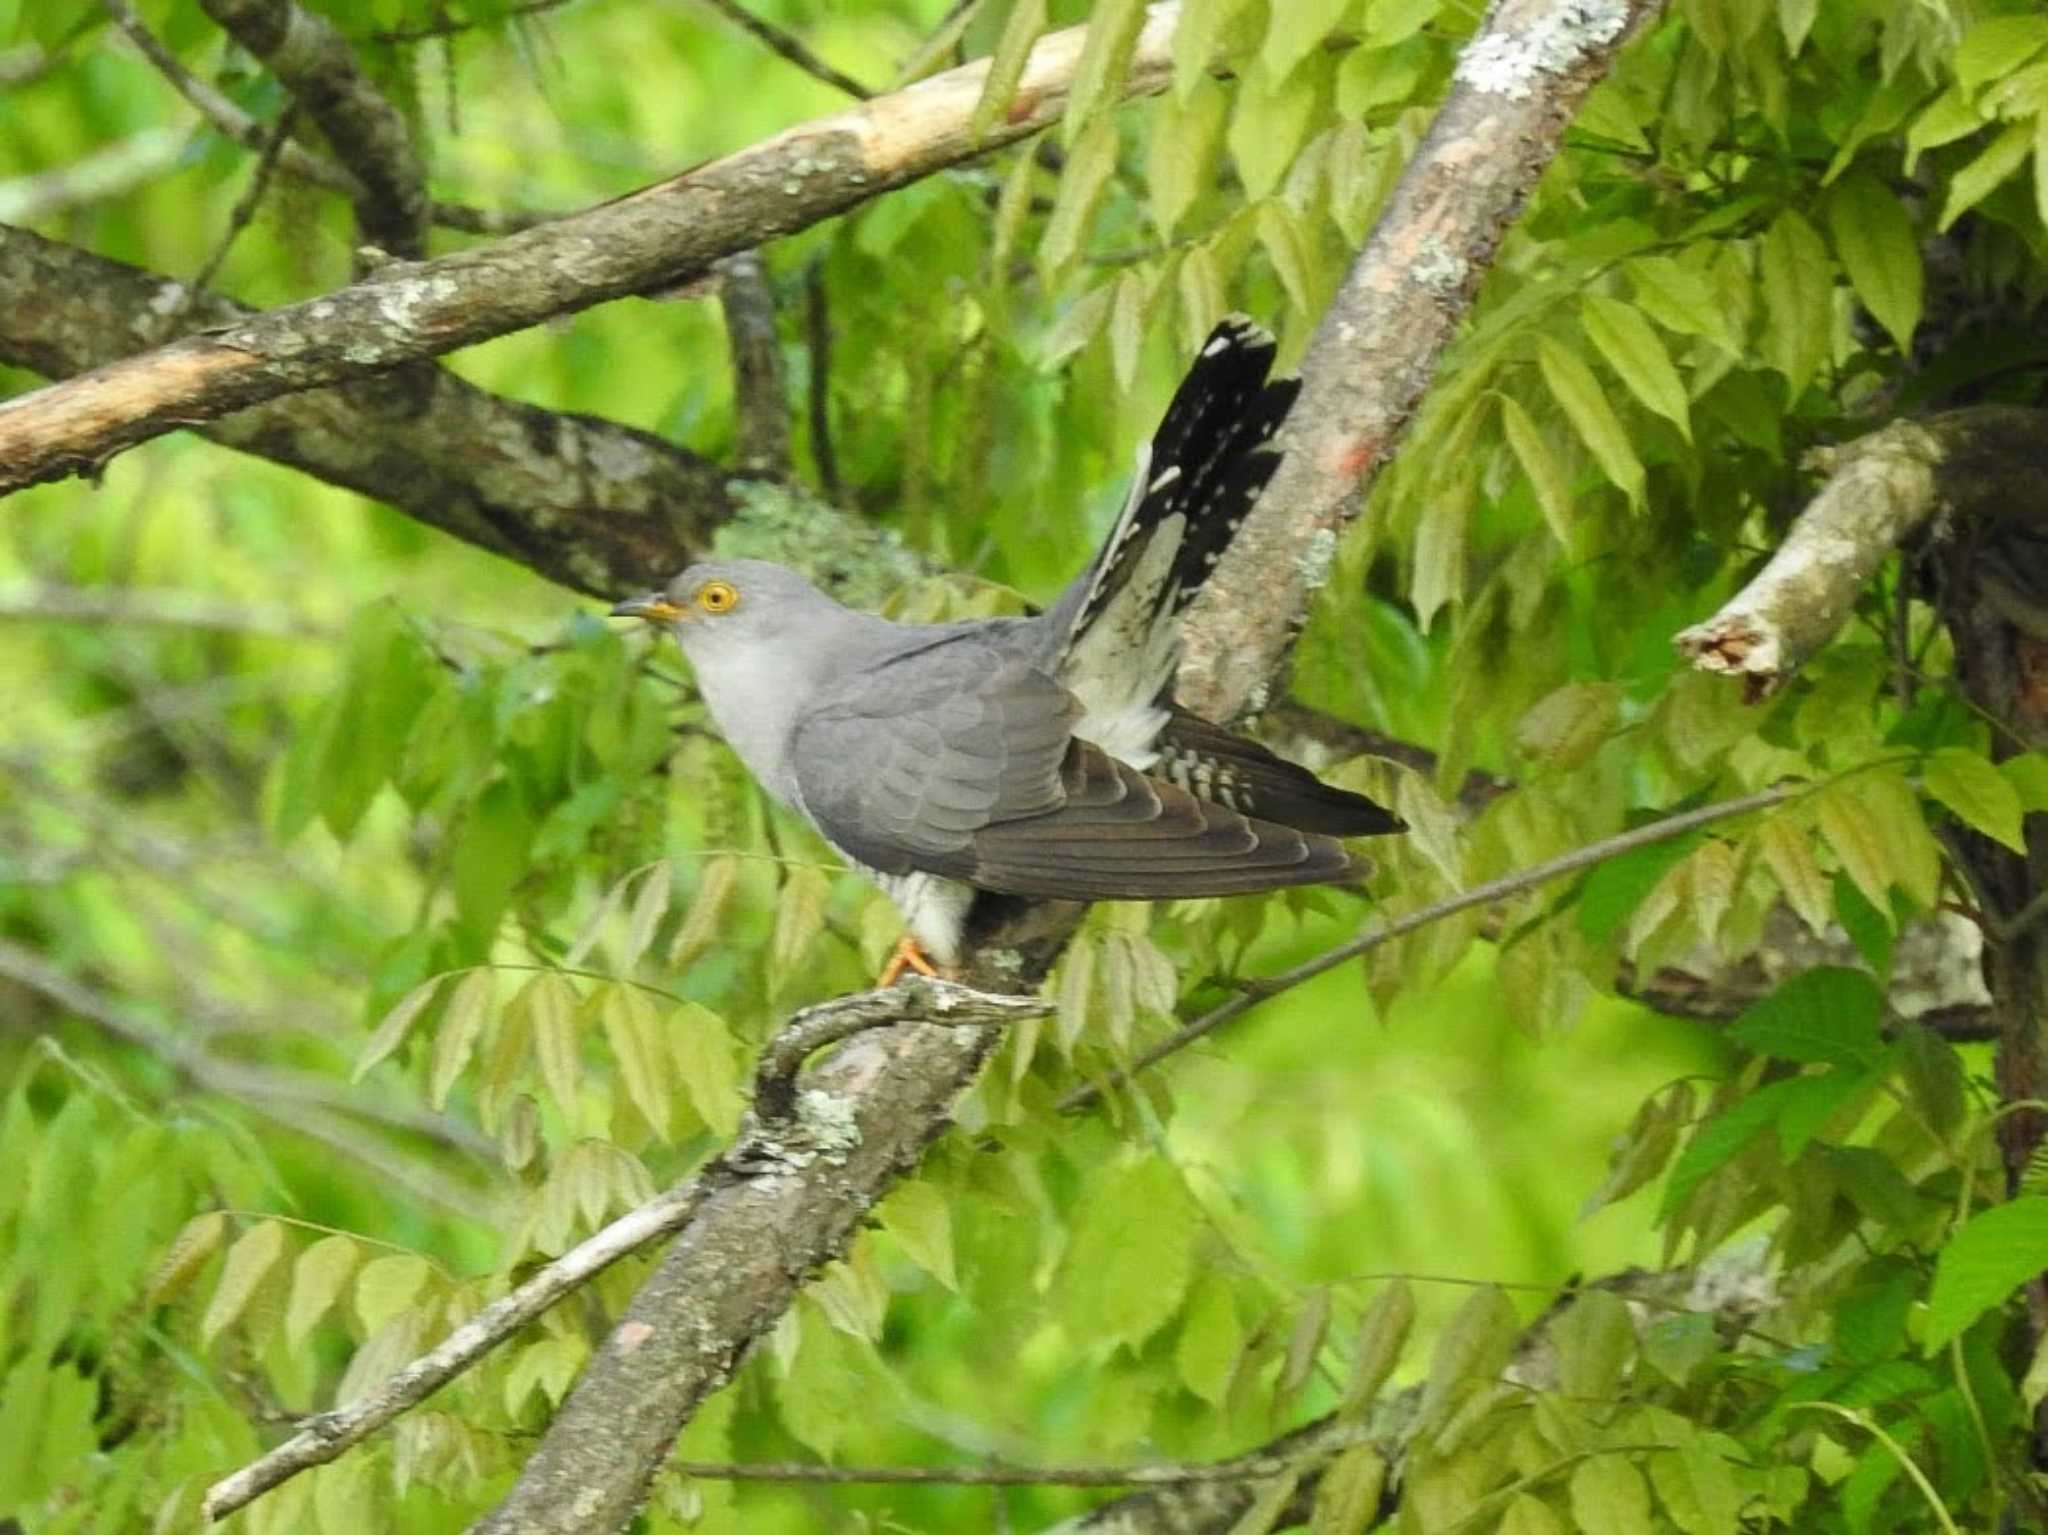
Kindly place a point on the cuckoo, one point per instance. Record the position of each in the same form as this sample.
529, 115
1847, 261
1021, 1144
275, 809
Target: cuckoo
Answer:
1039, 756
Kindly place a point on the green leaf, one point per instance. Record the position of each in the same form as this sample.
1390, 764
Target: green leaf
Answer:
1382, 1334
1304, 1343
462, 1025
1470, 1352
1348, 1496
702, 1046
1023, 28
1180, 164
1825, 1015
1981, 797
1211, 1341
700, 926
1631, 348
1198, 37
557, 1028
921, 1221
490, 856
1612, 891
1993, 1254
1645, 1147
1609, 1494
1595, 1343
249, 1262
1578, 393
1859, 842
1296, 29
318, 1278
799, 920
197, 1240
1719, 1140
1788, 853
649, 907
1082, 182
1798, 284
1995, 47
1130, 1257
1698, 1490
1529, 1516
633, 1028
1879, 250
1127, 328
1683, 300
387, 1286
1438, 579
1268, 127
1565, 727
391, 1031
1105, 64
1546, 475
1983, 175
1288, 246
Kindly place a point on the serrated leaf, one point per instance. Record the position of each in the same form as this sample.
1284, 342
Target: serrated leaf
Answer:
1083, 180
1438, 580
197, 1240
633, 1028
1950, 116
1595, 1343
1197, 38
1797, 283
462, 1025
1993, 1254
1995, 47
1211, 1341
1645, 1147
557, 1040
1268, 127
1631, 348
1545, 474
799, 920
649, 907
249, 1262
318, 1278
1983, 175
1075, 989
1131, 1254
1304, 1343
1200, 285
387, 1286
1857, 841
702, 1046
1579, 395
1788, 853
1296, 29
1698, 1490
1127, 328
1567, 725
701, 923
392, 1028
1879, 250
1026, 23
548, 1366
1826, 1016
1287, 245
1981, 797
1470, 1352
919, 1218
1348, 1496
1609, 1494
1104, 65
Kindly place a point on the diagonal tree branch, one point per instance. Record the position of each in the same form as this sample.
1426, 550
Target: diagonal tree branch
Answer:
787, 46
653, 239
1516, 87
316, 64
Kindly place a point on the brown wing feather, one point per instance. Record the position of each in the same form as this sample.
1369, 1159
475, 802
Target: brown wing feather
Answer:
1123, 835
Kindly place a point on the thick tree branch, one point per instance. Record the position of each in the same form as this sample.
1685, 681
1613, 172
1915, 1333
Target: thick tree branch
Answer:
1376, 350
653, 239
1880, 492
316, 64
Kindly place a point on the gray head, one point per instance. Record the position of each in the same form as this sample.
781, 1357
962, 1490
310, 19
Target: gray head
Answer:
718, 607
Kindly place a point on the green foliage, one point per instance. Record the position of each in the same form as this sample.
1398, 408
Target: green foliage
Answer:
433, 830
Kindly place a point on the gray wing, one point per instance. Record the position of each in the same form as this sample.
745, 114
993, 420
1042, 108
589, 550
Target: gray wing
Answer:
960, 760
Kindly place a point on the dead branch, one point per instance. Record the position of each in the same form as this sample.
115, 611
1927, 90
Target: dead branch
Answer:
316, 64
650, 240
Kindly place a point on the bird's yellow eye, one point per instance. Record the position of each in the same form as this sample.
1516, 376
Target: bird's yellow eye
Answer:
717, 597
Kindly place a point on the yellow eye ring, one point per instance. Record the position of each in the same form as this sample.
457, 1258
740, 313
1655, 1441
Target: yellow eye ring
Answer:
717, 597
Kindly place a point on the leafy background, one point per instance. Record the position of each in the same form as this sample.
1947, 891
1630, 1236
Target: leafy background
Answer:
461, 870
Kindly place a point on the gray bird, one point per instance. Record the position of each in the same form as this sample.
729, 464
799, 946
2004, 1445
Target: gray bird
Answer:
1034, 756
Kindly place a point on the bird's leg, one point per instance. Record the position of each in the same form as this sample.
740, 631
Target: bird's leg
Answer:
908, 956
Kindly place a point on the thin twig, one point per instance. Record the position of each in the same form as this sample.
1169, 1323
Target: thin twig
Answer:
777, 41
323, 1437
1479, 895
975, 1476
243, 211
931, 53
818, 337
110, 172
428, 31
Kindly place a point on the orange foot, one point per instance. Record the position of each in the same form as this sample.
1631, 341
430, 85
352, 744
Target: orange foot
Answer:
908, 956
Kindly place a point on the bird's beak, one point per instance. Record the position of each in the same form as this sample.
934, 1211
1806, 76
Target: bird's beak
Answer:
653, 607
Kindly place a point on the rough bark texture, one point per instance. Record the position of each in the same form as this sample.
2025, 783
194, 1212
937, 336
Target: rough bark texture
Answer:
317, 65
651, 240
1376, 351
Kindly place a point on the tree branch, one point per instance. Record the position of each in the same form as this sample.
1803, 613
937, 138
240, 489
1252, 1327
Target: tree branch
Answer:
113, 171
1881, 491
316, 64
1376, 351
785, 45
654, 239
760, 394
